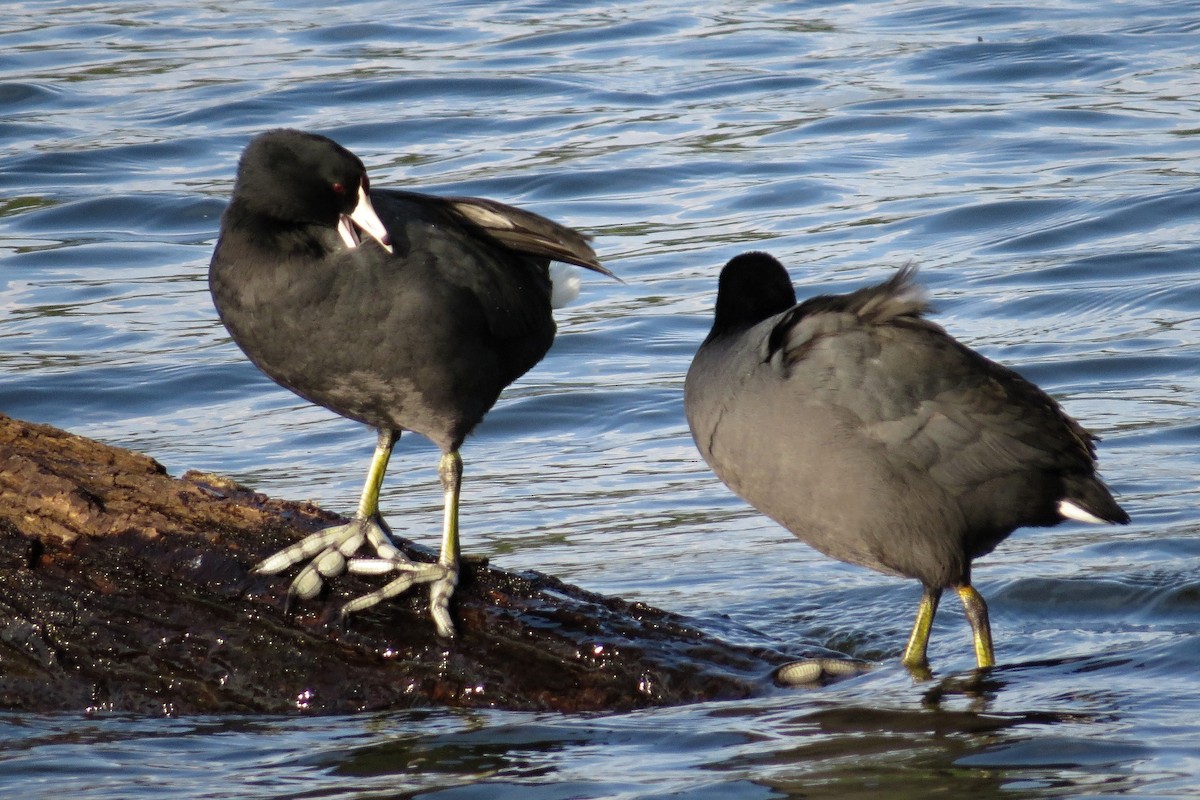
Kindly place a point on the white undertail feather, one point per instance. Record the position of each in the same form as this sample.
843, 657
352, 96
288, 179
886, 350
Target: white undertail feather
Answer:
1072, 511
564, 282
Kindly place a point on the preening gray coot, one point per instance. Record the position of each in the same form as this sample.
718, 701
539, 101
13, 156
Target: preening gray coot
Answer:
873, 436
401, 310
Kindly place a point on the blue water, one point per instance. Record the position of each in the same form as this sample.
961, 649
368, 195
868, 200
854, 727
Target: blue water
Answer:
1039, 161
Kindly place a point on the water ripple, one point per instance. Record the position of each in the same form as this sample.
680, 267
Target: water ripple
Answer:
1038, 163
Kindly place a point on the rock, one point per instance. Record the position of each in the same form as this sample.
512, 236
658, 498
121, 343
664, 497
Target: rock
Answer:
125, 589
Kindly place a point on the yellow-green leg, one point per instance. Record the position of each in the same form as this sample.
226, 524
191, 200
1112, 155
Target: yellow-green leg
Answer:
368, 502
329, 549
442, 577
450, 472
977, 615
918, 643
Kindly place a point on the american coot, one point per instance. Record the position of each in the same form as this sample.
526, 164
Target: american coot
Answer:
876, 438
401, 310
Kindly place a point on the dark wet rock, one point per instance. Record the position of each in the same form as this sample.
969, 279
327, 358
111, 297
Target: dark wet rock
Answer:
125, 589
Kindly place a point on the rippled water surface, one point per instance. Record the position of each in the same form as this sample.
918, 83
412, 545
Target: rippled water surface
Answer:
1038, 161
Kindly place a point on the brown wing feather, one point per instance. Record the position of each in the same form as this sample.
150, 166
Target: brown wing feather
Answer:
527, 232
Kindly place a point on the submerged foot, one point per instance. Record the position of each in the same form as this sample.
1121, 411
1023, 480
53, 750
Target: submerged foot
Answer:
818, 671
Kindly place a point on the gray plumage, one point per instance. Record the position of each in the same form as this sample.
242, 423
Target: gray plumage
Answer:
874, 436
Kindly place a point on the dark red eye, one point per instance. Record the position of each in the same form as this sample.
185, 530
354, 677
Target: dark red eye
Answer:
338, 188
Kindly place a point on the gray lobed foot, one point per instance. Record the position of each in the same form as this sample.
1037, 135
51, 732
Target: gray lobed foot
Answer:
330, 552
818, 671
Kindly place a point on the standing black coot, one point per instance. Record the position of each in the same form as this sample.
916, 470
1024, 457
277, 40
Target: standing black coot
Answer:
876, 438
417, 326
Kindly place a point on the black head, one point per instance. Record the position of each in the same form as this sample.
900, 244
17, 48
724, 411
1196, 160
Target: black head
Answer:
753, 286
298, 177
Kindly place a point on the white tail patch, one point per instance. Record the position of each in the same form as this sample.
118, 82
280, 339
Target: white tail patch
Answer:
1072, 511
564, 282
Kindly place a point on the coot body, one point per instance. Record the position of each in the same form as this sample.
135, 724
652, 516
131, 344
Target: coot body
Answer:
401, 310
878, 439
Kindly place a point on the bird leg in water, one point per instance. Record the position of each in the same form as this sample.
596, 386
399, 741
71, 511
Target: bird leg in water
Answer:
442, 577
918, 643
977, 615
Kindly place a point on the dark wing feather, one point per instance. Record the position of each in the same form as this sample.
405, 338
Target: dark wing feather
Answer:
527, 232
